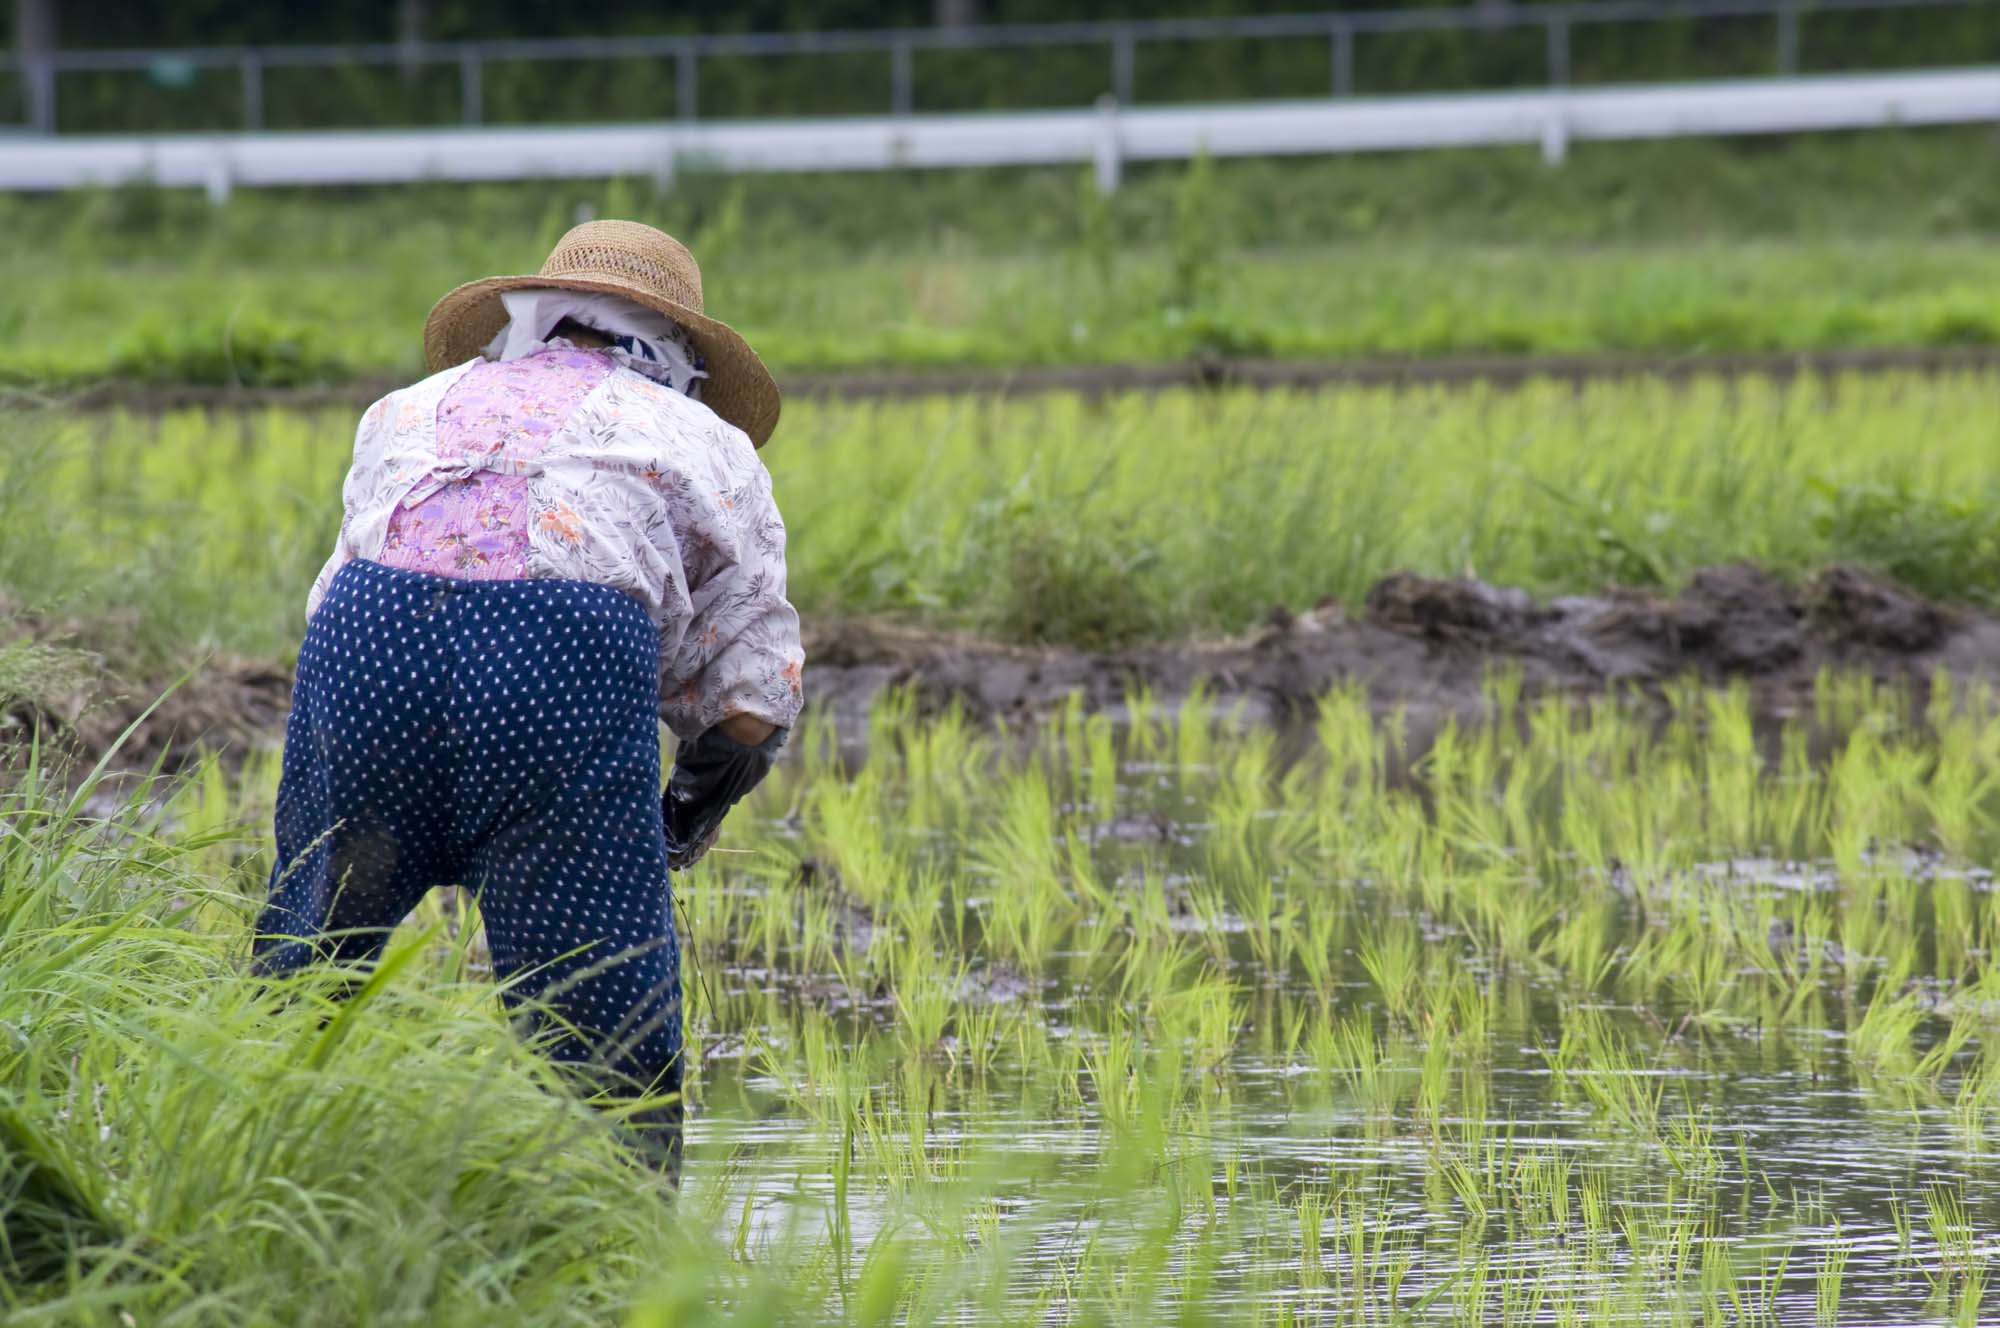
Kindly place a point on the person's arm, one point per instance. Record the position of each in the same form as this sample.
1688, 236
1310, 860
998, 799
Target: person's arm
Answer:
733, 688
747, 729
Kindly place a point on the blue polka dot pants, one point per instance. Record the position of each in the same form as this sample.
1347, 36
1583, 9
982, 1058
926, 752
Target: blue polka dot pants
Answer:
502, 735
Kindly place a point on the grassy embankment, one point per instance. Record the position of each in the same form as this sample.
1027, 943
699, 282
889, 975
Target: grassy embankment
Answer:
1141, 517
1511, 1045
1833, 241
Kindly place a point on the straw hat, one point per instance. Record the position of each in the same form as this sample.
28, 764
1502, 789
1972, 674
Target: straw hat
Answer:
645, 266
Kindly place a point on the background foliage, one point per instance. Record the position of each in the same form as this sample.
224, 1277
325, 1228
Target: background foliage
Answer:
174, 96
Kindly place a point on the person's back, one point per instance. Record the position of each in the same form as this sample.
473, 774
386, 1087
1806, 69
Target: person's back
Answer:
545, 547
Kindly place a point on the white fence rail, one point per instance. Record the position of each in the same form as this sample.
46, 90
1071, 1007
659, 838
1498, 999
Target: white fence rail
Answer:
1106, 137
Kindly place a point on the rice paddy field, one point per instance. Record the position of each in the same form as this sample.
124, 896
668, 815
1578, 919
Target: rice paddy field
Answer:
1586, 1011
1585, 1015
1588, 1007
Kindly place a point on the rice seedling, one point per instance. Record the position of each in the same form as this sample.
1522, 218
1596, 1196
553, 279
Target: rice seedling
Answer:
1832, 1268
1392, 957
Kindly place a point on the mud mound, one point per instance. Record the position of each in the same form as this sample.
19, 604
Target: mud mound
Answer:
1451, 611
228, 705
58, 693
1448, 370
1863, 611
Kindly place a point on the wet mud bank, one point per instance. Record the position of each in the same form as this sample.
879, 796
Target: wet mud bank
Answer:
1425, 646
1457, 370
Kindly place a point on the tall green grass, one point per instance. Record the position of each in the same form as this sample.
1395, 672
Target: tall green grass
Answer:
1828, 241
1101, 522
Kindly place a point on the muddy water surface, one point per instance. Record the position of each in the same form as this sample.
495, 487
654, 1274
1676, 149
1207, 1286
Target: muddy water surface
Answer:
1532, 1042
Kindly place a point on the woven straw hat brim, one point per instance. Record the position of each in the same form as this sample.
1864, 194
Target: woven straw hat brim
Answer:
738, 387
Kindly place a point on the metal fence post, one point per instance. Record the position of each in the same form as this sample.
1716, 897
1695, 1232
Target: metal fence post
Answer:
470, 94
1558, 52
252, 70
1343, 60
902, 79
41, 74
215, 177
1106, 156
1123, 54
1788, 38
687, 92
1555, 134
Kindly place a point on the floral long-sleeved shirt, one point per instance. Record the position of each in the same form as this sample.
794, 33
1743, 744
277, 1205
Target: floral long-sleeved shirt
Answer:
564, 463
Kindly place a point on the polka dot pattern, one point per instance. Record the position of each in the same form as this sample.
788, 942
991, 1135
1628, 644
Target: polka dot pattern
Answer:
502, 735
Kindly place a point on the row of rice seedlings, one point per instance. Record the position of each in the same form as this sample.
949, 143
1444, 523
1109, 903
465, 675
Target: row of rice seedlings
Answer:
1509, 909
1061, 516
1689, 913
1685, 1135
1037, 890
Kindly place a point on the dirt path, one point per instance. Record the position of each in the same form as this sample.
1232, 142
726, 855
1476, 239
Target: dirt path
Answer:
1423, 645
1384, 371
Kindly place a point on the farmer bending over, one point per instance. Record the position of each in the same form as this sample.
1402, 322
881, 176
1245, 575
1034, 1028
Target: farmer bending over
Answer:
561, 534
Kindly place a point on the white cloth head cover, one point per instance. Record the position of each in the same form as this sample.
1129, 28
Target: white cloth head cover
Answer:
644, 340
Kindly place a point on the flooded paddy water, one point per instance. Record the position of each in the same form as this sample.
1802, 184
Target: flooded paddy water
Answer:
1581, 1015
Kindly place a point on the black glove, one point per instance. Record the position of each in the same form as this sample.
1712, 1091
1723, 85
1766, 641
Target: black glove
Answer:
711, 775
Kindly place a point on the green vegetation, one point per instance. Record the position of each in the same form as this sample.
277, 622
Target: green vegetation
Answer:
1580, 1018
1059, 518
1668, 247
172, 96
